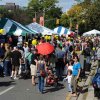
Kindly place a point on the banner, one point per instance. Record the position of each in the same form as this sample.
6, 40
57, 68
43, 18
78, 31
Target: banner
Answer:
70, 25
77, 26
42, 20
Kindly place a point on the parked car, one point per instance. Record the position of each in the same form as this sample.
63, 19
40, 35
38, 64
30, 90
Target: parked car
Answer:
96, 83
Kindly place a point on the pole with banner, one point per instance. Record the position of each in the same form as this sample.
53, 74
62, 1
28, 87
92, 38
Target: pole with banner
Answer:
42, 20
70, 24
57, 21
76, 31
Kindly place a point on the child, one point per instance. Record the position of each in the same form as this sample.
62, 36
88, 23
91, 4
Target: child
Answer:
70, 67
50, 78
68, 78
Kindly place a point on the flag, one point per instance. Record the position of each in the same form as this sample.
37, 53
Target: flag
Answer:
42, 20
77, 26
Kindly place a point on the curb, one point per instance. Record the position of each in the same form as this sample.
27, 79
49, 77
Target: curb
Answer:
84, 95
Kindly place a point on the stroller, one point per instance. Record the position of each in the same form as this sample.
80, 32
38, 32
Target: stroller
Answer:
51, 79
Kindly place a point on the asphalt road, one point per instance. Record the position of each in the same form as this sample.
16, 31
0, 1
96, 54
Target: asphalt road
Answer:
23, 90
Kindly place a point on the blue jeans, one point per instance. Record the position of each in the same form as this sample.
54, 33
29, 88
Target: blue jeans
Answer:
7, 68
40, 84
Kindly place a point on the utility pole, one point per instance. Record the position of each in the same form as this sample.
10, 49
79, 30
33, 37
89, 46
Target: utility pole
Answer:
44, 14
35, 15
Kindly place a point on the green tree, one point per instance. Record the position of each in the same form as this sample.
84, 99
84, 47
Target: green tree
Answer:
89, 19
93, 14
40, 5
65, 21
47, 8
18, 15
74, 15
5, 13
85, 13
51, 16
39, 8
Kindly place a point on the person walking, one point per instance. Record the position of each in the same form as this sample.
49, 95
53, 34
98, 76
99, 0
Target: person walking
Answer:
28, 60
33, 65
75, 75
60, 55
7, 62
41, 66
16, 62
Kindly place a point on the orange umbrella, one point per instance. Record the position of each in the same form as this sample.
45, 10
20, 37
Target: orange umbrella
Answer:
45, 48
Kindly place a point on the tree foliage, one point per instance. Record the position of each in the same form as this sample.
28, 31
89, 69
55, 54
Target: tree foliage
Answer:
64, 21
86, 13
47, 8
40, 5
36, 8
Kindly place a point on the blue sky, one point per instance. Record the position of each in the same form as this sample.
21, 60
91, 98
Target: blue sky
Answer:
65, 4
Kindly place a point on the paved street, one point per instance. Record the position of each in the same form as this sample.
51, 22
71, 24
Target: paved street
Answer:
23, 90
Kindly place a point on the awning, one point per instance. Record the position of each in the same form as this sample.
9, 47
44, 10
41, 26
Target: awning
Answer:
14, 28
93, 32
61, 30
40, 29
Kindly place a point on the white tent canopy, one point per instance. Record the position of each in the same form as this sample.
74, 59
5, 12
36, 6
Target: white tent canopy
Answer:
61, 30
92, 32
40, 29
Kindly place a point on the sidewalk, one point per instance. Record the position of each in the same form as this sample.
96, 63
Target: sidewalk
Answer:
90, 95
88, 91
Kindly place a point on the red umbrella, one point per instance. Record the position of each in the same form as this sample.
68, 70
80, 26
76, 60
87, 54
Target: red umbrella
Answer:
45, 48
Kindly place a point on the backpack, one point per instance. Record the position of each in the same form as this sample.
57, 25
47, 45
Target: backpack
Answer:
96, 80
41, 70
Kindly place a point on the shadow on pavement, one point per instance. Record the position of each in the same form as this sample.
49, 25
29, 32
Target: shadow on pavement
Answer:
7, 83
53, 89
85, 90
85, 85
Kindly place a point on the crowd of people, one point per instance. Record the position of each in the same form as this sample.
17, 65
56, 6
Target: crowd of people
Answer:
71, 58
